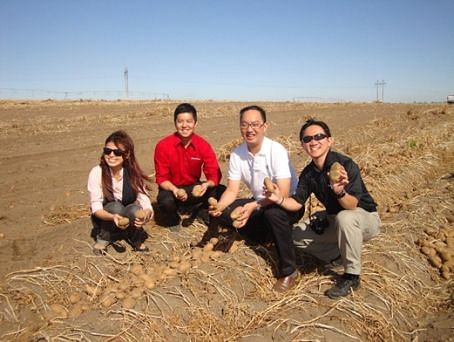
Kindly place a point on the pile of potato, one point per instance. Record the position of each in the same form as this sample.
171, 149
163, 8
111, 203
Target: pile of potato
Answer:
136, 281
438, 247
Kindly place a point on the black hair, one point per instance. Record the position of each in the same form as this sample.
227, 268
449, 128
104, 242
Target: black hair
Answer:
312, 122
254, 107
185, 108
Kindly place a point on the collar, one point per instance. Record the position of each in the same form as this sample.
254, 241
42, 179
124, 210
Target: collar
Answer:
263, 148
330, 159
178, 141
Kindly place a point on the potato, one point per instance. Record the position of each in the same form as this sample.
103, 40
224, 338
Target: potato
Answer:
445, 275
216, 254
136, 293
334, 172
123, 222
423, 242
428, 251
128, 303
149, 284
176, 258
444, 268
450, 242
435, 261
59, 309
74, 298
208, 247
236, 224
140, 214
137, 281
184, 266
137, 269
450, 264
206, 256
2, 235
214, 203
181, 193
76, 311
445, 255
237, 212
145, 277
214, 240
197, 190
430, 231
170, 272
120, 295
268, 184
108, 300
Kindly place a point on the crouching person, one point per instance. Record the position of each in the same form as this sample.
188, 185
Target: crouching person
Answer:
118, 197
351, 211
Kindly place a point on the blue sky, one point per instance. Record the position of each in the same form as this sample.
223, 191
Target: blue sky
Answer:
232, 50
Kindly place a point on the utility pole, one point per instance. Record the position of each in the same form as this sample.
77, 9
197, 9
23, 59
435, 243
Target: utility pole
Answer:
382, 85
126, 82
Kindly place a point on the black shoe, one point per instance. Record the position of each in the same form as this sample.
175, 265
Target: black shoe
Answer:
343, 287
119, 248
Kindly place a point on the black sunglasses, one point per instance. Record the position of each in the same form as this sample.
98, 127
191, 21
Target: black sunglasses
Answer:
107, 151
317, 137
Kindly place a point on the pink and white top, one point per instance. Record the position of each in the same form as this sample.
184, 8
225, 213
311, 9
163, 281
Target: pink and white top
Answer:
97, 197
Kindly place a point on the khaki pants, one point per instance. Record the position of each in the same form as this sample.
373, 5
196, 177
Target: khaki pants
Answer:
344, 236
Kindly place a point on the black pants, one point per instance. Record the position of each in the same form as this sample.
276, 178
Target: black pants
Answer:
171, 205
271, 223
108, 231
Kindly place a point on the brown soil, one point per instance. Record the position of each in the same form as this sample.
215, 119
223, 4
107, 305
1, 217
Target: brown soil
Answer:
406, 152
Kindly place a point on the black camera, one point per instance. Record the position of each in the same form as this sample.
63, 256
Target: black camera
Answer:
318, 222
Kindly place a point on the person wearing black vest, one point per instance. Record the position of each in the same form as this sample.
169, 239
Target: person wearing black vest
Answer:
351, 213
117, 190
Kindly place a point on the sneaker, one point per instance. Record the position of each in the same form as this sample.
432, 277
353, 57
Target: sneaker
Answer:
100, 247
343, 287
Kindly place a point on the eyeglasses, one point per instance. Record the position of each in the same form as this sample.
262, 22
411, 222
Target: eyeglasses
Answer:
107, 151
253, 125
317, 137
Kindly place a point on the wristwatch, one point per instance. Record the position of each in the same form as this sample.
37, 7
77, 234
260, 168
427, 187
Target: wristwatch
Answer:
340, 194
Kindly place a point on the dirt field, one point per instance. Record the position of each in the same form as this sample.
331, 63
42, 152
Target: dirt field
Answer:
49, 278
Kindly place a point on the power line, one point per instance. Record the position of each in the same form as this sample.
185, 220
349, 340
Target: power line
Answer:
126, 82
382, 85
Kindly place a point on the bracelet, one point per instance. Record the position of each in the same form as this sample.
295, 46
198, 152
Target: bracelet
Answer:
340, 194
281, 201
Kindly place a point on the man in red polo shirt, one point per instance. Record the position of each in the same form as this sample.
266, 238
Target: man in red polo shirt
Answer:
180, 159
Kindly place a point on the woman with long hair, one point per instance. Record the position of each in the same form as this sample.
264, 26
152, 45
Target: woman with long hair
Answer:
117, 191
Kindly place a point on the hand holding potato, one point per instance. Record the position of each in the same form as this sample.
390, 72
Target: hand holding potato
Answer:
180, 194
120, 221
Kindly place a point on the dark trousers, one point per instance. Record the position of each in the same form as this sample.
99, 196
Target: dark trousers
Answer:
171, 206
108, 231
271, 223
